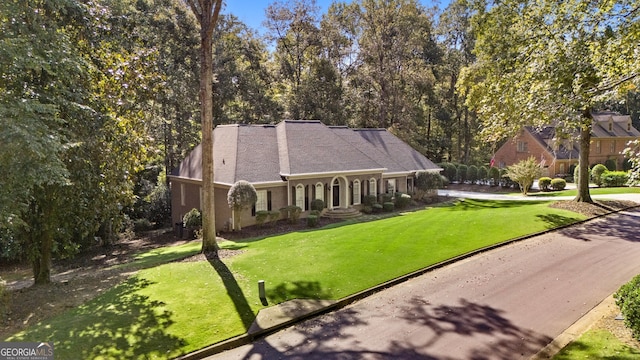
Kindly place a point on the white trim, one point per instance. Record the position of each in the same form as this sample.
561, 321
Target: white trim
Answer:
300, 199
332, 173
356, 197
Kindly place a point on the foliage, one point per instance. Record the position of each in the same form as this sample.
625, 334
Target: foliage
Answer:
450, 171
377, 207
632, 153
388, 206
483, 174
317, 205
558, 184
369, 200
403, 200
472, 174
261, 217
614, 178
291, 213
610, 164
241, 196
550, 62
192, 219
461, 175
544, 183
628, 300
524, 173
494, 176
596, 173
426, 182
312, 220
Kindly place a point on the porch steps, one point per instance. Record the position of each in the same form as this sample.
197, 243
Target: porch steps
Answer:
342, 213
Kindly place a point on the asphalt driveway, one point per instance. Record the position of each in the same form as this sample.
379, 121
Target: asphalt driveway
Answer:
506, 303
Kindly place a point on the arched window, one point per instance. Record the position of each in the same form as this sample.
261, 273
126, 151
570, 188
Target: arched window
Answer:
300, 196
356, 192
320, 191
373, 187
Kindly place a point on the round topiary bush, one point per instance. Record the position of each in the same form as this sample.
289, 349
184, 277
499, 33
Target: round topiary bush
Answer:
596, 174
312, 220
317, 205
558, 184
544, 183
610, 164
462, 173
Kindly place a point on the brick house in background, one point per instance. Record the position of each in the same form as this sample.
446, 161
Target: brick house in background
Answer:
609, 136
295, 162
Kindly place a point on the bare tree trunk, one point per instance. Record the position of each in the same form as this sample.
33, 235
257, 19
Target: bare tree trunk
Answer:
206, 11
583, 162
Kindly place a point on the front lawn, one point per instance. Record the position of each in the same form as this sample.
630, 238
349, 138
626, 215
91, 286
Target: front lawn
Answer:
598, 344
178, 307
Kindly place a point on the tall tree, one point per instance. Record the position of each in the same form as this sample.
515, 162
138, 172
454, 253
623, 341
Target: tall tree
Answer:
548, 62
207, 12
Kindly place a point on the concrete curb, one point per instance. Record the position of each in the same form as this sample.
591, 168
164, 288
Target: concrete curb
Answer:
262, 332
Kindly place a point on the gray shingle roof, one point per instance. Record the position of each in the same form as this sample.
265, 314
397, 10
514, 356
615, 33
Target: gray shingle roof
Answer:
265, 153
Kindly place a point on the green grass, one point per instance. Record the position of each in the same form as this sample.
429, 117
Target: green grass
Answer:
179, 307
162, 255
597, 344
592, 191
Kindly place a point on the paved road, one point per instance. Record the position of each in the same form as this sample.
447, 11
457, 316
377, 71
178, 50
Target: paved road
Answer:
504, 304
491, 196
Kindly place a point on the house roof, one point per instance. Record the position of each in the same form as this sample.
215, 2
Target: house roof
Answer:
621, 127
267, 153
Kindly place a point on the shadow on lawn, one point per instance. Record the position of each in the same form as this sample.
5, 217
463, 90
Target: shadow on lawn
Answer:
233, 289
297, 290
554, 220
121, 324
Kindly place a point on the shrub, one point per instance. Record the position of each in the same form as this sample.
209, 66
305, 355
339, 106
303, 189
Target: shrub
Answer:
274, 216
369, 200
461, 175
494, 176
386, 198
544, 183
367, 209
450, 171
388, 206
291, 213
524, 172
312, 220
317, 205
483, 174
239, 197
377, 207
142, 225
402, 200
596, 174
610, 164
192, 219
261, 217
558, 184
472, 174
628, 300
576, 174
614, 178
426, 182
444, 180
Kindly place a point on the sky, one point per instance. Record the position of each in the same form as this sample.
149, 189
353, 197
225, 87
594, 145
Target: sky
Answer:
251, 12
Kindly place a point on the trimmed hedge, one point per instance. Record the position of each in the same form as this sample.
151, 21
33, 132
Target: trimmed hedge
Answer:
388, 206
544, 183
317, 205
558, 184
402, 200
292, 213
614, 178
312, 220
596, 173
628, 299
